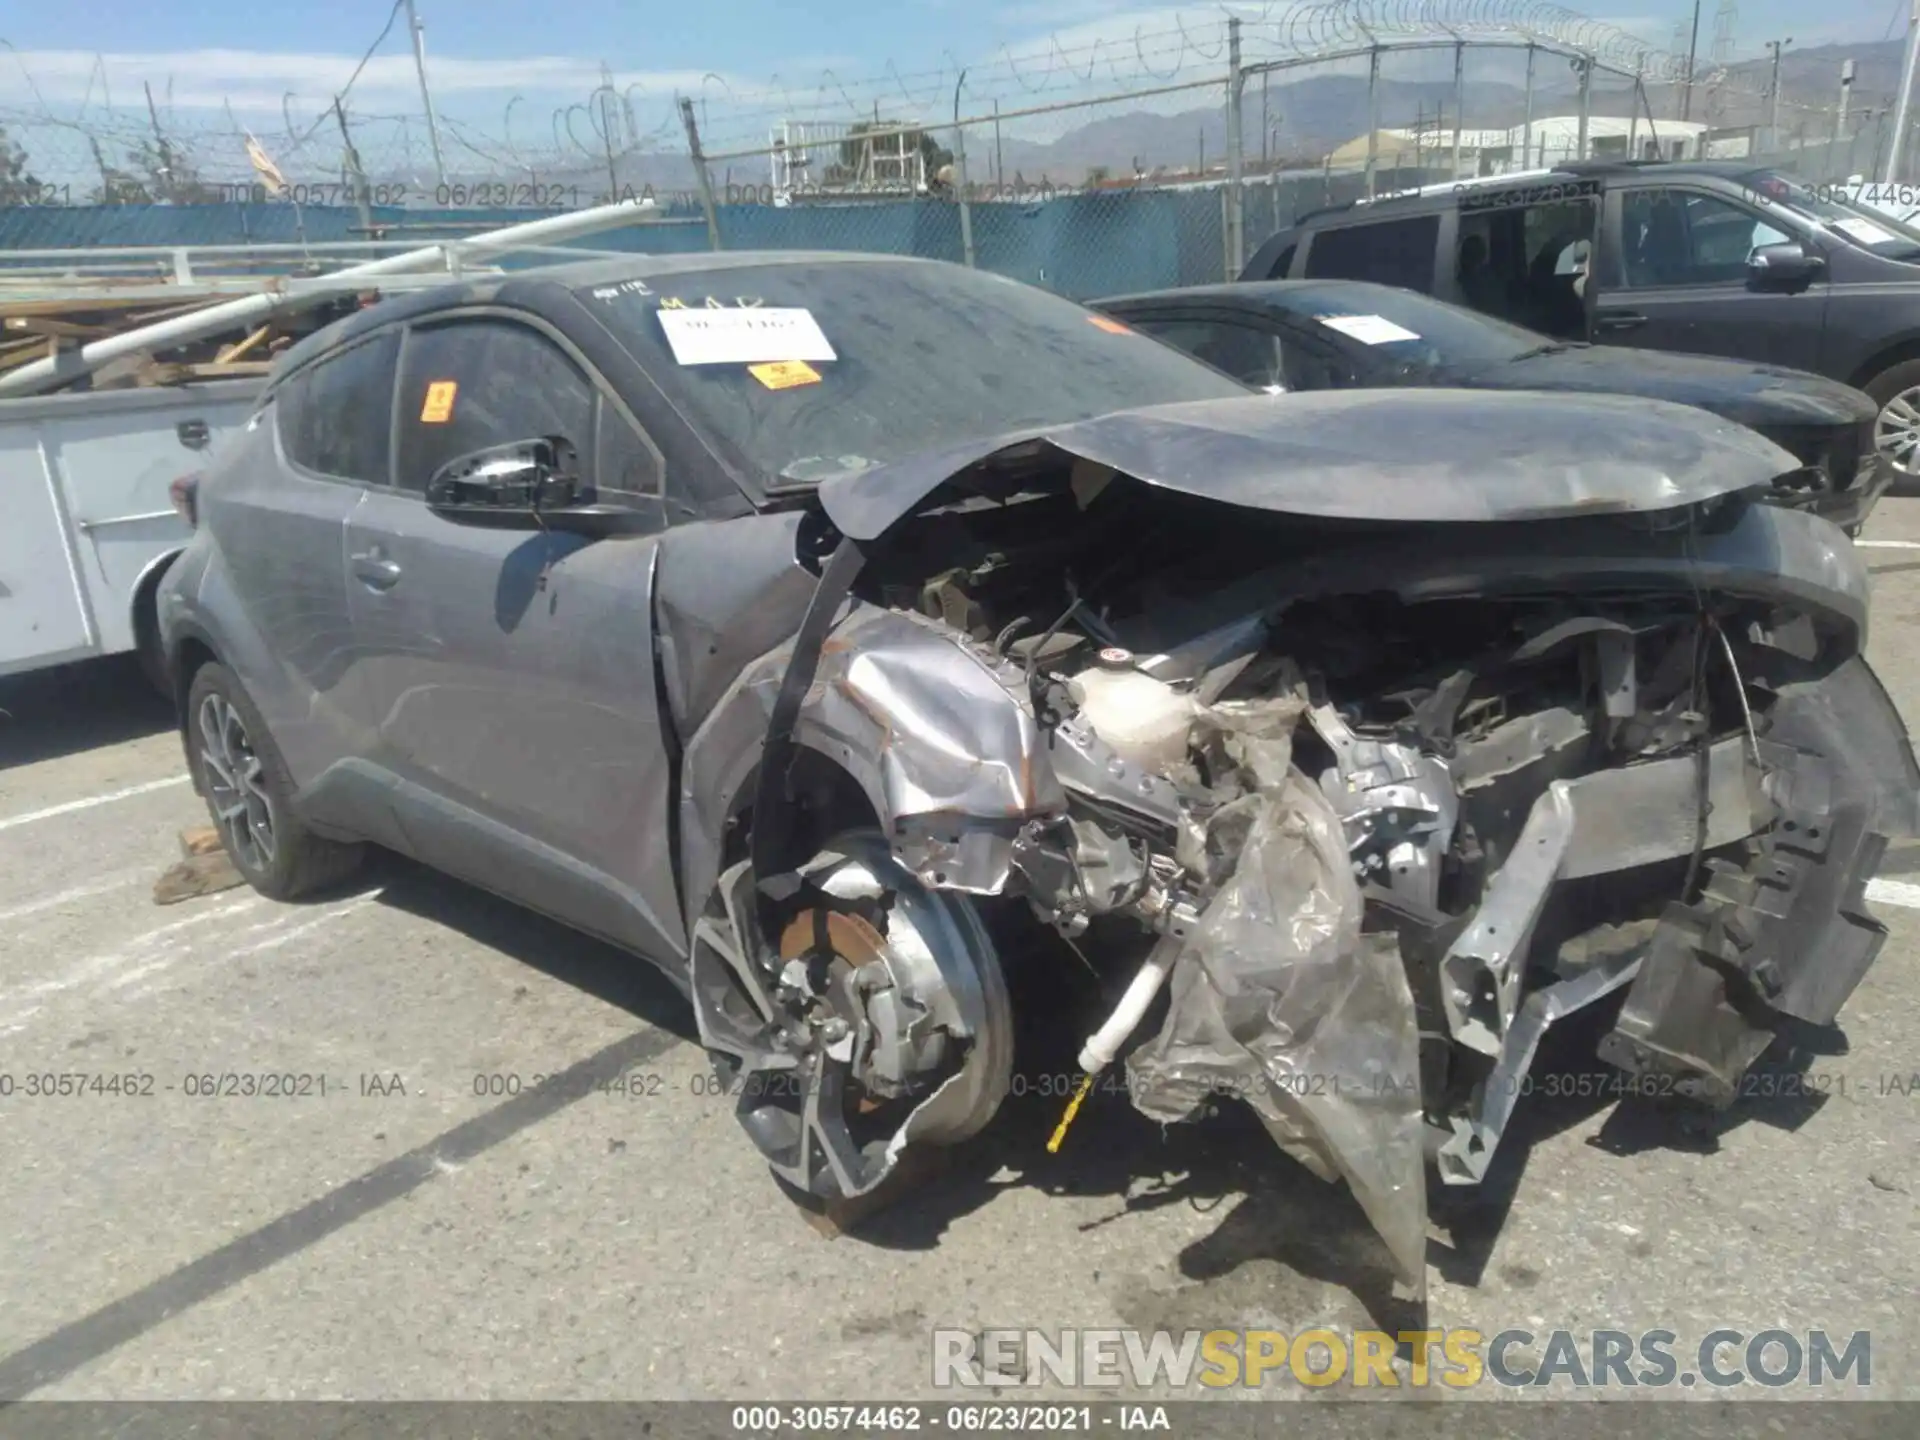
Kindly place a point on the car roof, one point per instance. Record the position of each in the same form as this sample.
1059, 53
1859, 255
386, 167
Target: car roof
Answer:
1571, 170
573, 275
1255, 294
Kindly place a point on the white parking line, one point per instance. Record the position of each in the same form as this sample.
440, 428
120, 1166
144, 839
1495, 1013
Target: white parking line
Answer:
1887, 544
68, 897
92, 800
162, 943
1903, 893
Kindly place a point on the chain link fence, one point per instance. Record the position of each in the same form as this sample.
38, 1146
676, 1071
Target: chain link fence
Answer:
1086, 196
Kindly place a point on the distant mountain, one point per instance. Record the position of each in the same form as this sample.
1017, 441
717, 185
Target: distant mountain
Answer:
1314, 115
1311, 116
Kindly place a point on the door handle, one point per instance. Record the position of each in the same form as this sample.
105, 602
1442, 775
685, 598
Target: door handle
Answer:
373, 569
1619, 320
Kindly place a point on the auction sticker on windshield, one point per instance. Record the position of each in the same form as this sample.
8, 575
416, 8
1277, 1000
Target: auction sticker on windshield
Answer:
785, 374
744, 336
1865, 231
1368, 329
437, 409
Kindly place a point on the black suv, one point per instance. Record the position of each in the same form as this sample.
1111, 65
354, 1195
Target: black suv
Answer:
1716, 258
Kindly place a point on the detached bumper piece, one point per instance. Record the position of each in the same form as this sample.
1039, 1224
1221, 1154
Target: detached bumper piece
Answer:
1787, 936
1780, 934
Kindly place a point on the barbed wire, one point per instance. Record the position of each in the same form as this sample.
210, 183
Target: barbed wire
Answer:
616, 134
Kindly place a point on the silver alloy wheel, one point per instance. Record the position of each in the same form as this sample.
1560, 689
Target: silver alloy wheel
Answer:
236, 784
1897, 432
801, 1029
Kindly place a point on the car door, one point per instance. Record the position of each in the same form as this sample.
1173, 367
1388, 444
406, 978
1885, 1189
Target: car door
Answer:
1674, 277
278, 509
509, 673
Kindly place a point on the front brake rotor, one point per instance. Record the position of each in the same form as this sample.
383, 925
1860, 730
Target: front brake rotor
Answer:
848, 942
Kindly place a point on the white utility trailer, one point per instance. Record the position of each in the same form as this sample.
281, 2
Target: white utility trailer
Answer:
87, 520
87, 523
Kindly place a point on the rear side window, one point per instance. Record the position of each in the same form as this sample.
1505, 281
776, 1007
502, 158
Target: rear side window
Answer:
1391, 252
466, 385
336, 416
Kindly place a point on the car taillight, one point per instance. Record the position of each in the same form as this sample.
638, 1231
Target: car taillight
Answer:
184, 493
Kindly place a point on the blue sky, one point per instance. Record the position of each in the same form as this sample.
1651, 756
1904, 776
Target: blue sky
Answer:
259, 55
755, 36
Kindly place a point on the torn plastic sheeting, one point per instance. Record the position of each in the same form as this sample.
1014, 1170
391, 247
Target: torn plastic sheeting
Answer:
1279, 1000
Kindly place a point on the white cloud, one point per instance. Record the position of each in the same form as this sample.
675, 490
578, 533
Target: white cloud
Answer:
257, 80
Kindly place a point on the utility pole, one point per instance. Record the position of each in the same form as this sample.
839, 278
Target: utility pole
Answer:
1693, 49
426, 95
1773, 94
700, 175
1236, 162
1265, 76
355, 172
1906, 94
165, 151
999, 170
1526, 132
1459, 102
1840, 115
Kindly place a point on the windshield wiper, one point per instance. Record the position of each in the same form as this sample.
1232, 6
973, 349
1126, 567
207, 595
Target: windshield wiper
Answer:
1552, 347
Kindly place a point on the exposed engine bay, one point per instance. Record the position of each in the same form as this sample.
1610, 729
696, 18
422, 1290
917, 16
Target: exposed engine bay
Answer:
1360, 807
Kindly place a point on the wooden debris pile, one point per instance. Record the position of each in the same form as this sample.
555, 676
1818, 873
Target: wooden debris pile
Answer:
36, 329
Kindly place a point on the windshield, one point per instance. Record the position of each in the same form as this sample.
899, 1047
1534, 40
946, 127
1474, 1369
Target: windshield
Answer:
1831, 206
1404, 329
808, 370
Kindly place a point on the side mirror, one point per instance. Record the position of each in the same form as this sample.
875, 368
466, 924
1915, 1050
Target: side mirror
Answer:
1785, 266
528, 485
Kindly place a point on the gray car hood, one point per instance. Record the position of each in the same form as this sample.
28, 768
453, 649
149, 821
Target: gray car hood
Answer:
1401, 455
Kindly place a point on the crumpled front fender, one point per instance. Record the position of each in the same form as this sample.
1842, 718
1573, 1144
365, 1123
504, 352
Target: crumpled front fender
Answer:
938, 735
941, 737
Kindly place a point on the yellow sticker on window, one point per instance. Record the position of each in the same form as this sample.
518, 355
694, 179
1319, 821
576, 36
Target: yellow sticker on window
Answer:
438, 408
784, 374
1112, 327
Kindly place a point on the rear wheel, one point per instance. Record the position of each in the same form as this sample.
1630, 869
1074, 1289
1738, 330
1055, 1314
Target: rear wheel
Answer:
1897, 431
877, 1018
249, 794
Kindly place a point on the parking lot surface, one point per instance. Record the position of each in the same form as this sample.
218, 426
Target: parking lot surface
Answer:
393, 1198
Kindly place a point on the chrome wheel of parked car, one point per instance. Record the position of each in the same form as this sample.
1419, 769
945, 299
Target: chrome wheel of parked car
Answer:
879, 1018
236, 784
1897, 431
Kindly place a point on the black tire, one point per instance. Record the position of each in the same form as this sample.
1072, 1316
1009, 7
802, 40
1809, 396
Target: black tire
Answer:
225, 734
1890, 382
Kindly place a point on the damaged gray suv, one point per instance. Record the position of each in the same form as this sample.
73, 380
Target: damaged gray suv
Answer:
851, 635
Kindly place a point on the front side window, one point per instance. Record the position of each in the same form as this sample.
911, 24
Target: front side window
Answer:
336, 416
1392, 252
1252, 356
1681, 237
466, 385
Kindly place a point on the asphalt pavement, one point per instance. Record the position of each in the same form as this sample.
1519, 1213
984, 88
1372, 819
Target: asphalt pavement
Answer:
395, 1198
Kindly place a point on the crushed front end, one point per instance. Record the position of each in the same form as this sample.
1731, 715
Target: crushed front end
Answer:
1375, 802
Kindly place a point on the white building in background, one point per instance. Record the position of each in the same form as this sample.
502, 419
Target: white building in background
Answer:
1552, 140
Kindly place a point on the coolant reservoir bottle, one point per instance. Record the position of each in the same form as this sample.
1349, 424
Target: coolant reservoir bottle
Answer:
1145, 720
